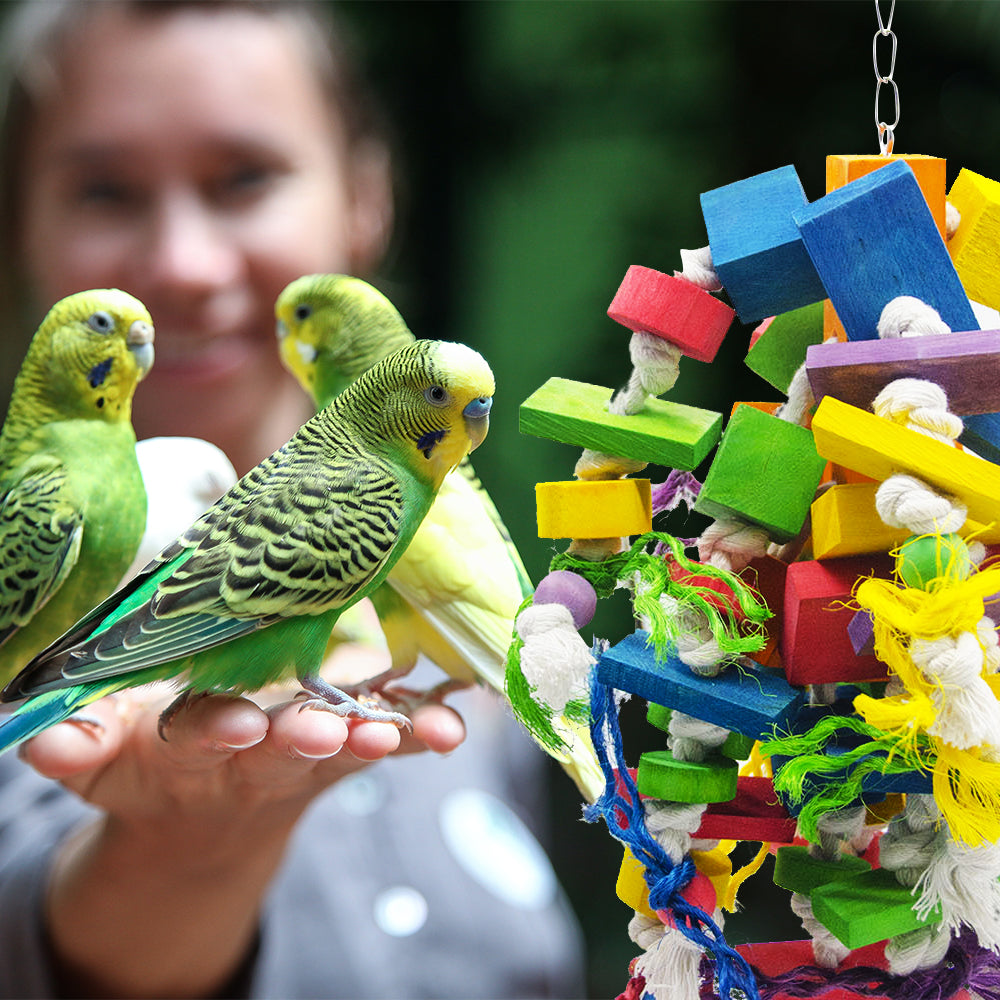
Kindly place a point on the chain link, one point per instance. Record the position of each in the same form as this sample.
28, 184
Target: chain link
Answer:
886, 133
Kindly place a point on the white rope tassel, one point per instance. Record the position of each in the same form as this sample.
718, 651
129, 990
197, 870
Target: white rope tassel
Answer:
906, 316
697, 267
555, 661
904, 501
670, 962
919, 405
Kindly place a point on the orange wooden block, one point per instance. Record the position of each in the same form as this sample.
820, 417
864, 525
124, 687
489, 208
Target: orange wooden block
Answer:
841, 169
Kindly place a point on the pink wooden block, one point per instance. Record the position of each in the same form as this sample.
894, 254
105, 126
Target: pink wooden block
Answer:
649, 301
963, 364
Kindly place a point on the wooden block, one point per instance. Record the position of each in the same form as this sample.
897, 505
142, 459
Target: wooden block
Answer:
880, 448
781, 347
930, 172
766, 575
676, 310
861, 632
756, 249
745, 698
870, 907
874, 240
963, 364
594, 509
832, 327
753, 814
981, 434
815, 646
631, 887
661, 776
975, 247
846, 523
796, 870
737, 746
765, 471
668, 434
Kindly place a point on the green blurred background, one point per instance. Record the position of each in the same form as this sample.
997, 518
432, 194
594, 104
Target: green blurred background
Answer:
546, 145
549, 145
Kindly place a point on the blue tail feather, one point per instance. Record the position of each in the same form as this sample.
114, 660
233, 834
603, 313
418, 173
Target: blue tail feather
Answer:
42, 711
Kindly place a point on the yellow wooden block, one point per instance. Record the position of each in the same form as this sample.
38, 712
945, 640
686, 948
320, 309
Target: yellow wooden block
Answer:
929, 171
846, 523
880, 448
601, 509
716, 866
631, 886
975, 247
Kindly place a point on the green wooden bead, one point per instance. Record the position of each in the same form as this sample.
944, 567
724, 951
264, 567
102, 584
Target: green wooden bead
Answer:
797, 870
923, 558
658, 715
737, 746
660, 776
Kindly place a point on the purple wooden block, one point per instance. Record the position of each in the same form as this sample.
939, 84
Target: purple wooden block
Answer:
991, 608
861, 630
965, 365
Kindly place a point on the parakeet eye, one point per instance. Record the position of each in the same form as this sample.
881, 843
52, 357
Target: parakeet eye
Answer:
436, 395
101, 322
303, 312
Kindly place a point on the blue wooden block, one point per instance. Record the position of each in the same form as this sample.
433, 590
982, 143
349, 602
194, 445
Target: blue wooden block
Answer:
981, 433
875, 239
746, 698
756, 248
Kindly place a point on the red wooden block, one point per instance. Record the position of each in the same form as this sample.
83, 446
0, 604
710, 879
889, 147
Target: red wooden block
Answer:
767, 576
755, 814
816, 646
649, 301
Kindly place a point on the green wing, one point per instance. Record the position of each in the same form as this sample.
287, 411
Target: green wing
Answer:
40, 536
293, 537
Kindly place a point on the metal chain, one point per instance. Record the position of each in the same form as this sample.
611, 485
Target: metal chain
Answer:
886, 133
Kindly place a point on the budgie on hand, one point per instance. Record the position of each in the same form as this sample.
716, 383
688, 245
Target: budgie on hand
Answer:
455, 592
72, 501
250, 592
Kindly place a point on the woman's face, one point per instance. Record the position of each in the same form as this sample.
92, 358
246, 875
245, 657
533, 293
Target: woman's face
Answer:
193, 160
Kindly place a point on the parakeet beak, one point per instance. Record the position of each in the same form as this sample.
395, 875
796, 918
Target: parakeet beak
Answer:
477, 420
140, 343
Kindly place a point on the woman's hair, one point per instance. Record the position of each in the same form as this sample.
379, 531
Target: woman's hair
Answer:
30, 40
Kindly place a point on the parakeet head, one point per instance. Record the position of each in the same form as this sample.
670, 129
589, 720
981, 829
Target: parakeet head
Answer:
428, 402
331, 328
87, 357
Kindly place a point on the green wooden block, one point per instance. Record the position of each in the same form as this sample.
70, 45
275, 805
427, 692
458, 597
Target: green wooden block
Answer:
658, 715
660, 776
665, 433
737, 746
797, 870
867, 908
765, 471
779, 351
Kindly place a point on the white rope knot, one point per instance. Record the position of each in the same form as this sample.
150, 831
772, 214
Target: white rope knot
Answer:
920, 405
905, 316
952, 220
800, 398
731, 544
922, 948
693, 739
656, 362
904, 501
555, 661
827, 949
697, 267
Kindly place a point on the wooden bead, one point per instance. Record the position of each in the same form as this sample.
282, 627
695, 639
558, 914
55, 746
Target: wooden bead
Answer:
869, 907
796, 870
662, 776
597, 509
669, 434
879, 448
673, 309
572, 591
874, 240
753, 814
756, 249
780, 349
658, 716
816, 647
975, 247
962, 364
746, 698
765, 471
921, 559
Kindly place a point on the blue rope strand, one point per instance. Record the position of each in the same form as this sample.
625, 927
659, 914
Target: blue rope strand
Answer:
621, 809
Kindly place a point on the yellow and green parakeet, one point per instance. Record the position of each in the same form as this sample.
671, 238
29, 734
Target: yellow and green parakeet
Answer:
72, 501
250, 592
455, 592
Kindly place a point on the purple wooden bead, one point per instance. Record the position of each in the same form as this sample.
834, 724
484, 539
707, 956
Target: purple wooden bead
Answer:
562, 586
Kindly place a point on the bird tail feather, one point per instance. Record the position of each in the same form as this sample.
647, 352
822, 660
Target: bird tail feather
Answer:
44, 710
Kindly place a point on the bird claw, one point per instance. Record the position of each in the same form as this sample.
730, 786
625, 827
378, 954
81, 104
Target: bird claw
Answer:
168, 715
319, 694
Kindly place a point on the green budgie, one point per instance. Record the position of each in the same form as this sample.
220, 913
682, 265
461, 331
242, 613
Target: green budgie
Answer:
455, 592
250, 592
72, 502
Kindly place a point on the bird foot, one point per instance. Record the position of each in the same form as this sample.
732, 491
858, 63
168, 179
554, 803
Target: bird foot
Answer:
322, 695
408, 700
168, 715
